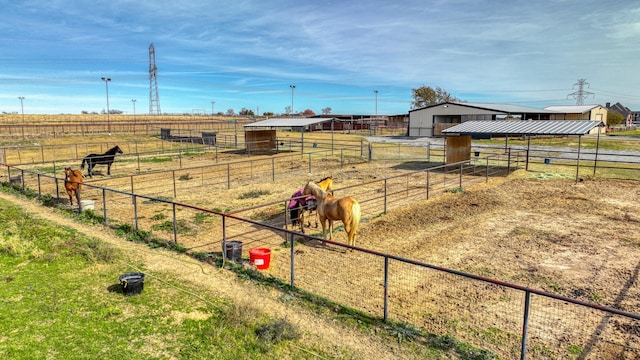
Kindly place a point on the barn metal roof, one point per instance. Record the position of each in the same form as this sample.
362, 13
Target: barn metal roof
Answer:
527, 127
288, 122
497, 108
571, 109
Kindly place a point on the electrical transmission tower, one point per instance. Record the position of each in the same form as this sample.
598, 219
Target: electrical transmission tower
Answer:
154, 97
581, 94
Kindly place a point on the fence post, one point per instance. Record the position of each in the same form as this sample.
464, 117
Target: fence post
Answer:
509, 161
386, 288
135, 210
104, 205
428, 173
292, 258
175, 224
370, 152
385, 196
487, 171
525, 325
39, 188
173, 174
224, 239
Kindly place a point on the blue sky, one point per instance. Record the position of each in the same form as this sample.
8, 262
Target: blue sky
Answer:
246, 54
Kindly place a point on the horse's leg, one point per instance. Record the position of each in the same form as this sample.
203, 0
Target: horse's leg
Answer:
108, 168
323, 222
301, 217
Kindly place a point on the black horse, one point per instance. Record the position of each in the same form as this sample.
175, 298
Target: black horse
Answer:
101, 159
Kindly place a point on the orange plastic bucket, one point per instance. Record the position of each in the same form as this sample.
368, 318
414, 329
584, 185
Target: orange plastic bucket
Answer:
260, 258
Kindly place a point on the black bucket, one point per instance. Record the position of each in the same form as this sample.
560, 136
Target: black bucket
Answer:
132, 283
233, 250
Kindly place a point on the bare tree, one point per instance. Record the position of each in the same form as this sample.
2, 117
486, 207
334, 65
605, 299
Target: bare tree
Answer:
326, 111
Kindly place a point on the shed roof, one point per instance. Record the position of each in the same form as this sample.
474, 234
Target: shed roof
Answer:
572, 109
527, 127
288, 122
497, 108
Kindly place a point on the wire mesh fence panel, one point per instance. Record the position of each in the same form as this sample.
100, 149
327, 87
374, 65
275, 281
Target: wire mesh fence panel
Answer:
350, 278
559, 329
483, 314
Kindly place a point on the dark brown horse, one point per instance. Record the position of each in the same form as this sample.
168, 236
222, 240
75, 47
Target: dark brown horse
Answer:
330, 208
73, 184
101, 159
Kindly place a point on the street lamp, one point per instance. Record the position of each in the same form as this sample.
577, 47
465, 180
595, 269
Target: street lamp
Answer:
134, 115
22, 109
376, 92
292, 87
212, 103
106, 84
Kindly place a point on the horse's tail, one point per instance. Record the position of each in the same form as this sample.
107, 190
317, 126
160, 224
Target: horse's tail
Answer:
82, 164
355, 218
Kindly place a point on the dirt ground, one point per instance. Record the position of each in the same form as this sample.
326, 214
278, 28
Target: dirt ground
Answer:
576, 239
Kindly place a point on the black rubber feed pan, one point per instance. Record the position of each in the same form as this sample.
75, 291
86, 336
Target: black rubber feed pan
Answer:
132, 283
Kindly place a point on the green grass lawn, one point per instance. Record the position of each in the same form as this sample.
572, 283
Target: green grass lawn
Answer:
61, 299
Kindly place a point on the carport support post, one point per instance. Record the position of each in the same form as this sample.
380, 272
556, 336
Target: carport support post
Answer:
526, 167
595, 160
578, 157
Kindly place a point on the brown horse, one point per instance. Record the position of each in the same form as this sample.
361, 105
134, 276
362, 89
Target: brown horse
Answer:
300, 204
330, 208
73, 183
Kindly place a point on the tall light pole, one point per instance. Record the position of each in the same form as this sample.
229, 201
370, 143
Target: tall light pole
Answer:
134, 115
292, 88
106, 84
212, 103
376, 92
22, 109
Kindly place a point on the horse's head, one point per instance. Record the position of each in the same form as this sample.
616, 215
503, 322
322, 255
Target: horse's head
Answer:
313, 189
67, 172
117, 150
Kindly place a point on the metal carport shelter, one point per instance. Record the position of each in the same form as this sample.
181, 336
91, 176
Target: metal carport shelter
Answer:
291, 122
528, 128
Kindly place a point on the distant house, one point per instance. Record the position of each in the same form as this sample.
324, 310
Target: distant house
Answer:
579, 112
626, 113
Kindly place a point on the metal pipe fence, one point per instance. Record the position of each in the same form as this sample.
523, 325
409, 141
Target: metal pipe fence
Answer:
506, 319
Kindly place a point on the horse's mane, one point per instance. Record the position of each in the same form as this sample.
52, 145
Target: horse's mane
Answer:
113, 150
